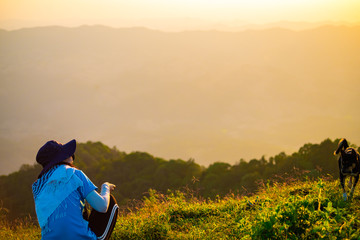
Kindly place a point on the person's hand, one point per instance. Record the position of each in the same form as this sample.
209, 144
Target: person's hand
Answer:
111, 186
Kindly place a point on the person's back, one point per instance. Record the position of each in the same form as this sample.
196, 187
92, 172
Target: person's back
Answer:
60, 193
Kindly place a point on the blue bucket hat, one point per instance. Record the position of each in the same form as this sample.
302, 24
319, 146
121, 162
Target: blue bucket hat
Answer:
53, 153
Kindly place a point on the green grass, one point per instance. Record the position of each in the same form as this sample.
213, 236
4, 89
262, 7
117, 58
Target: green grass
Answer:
301, 210
19, 229
297, 210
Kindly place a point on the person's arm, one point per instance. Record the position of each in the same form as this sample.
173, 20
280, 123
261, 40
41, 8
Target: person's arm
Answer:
100, 202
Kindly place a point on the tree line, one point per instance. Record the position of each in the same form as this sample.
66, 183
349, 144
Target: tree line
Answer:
136, 172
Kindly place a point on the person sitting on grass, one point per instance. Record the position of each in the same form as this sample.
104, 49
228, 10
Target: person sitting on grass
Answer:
60, 193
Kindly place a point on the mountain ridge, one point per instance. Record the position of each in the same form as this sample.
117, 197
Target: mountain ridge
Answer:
190, 24
102, 26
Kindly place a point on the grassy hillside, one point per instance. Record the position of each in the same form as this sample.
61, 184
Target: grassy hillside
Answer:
290, 210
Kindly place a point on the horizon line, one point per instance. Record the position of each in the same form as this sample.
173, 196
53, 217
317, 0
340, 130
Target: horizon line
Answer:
209, 26
250, 27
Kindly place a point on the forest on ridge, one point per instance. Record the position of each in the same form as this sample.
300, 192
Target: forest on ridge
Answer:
136, 173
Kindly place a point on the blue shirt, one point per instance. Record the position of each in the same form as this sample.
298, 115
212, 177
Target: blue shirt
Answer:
67, 222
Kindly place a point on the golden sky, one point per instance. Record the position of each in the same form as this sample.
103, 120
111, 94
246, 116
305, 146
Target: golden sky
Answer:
212, 121
115, 12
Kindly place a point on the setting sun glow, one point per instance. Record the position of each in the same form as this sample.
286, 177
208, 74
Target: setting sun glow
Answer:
210, 80
120, 12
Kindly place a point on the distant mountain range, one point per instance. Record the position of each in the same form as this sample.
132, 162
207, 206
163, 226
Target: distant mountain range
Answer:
184, 24
208, 95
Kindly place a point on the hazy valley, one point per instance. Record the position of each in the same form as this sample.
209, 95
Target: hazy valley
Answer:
207, 95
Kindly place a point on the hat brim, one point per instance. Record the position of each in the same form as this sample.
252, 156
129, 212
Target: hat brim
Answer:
67, 150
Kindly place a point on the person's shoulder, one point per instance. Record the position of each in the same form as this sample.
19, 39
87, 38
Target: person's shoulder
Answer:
81, 174
88, 184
